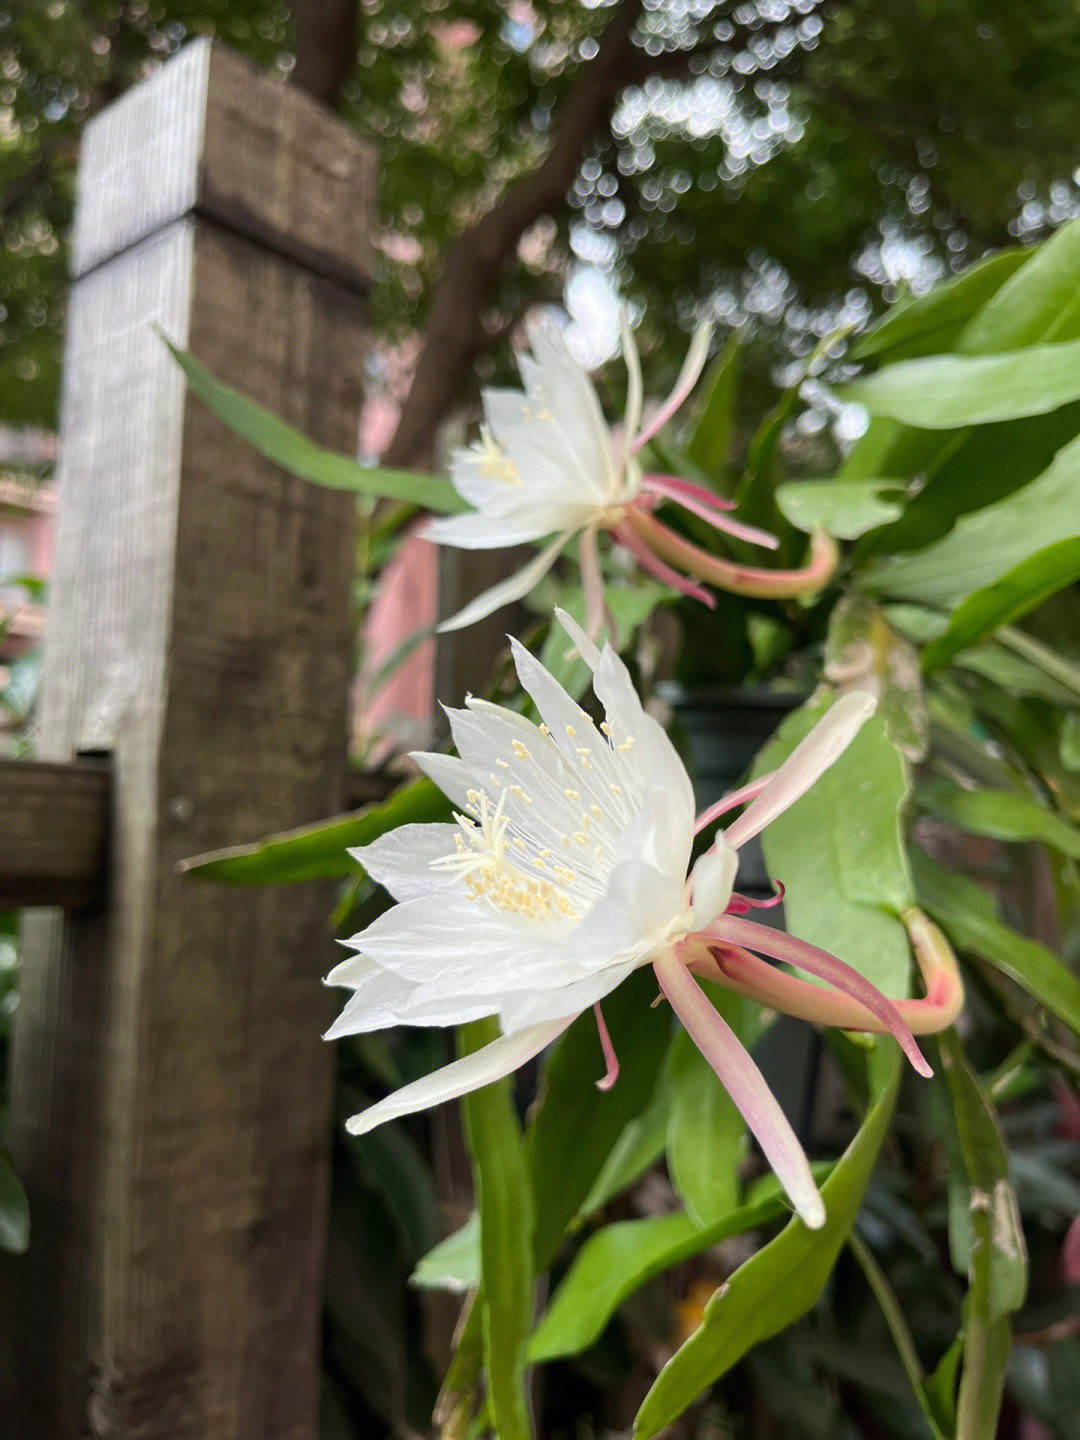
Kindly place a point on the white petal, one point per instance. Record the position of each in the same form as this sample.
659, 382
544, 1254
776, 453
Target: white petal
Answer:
484, 530
381, 999
634, 387
813, 755
461, 1076
534, 1006
515, 588
712, 880
448, 942
448, 772
631, 919
401, 860
589, 652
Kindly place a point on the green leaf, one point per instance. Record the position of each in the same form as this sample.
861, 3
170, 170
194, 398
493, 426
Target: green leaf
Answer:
945, 392
710, 439
637, 1149
969, 917
293, 451
1014, 594
14, 1210
998, 1260
1038, 304
403, 1179
1000, 814
453, 1264
621, 1257
937, 1416
864, 651
986, 544
577, 1126
930, 323
320, 851
706, 1139
845, 890
846, 508
782, 1281
504, 1200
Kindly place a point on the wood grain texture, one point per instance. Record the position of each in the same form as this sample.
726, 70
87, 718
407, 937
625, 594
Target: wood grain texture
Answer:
52, 840
171, 1098
195, 139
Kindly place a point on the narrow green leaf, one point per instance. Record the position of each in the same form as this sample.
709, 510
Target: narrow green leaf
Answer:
778, 1284
945, 392
504, 1199
998, 1260
453, 1264
14, 1210
845, 890
845, 508
576, 1126
710, 439
1014, 594
621, 1257
898, 1327
320, 851
637, 1149
293, 451
985, 544
969, 917
929, 323
1000, 814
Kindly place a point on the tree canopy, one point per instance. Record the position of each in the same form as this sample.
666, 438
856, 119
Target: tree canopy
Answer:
782, 162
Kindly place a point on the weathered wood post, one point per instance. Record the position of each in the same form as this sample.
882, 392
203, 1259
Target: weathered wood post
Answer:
171, 1095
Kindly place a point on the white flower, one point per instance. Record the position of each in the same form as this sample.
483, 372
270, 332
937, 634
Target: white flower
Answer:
567, 868
547, 465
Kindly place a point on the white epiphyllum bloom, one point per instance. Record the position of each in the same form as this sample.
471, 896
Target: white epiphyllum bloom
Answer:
546, 465
567, 868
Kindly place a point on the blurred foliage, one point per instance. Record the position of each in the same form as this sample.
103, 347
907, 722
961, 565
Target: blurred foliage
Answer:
784, 163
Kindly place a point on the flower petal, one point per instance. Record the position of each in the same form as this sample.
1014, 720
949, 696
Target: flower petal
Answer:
813, 755
460, 1077
745, 1084
514, 588
487, 529
402, 859
688, 378
815, 961
712, 881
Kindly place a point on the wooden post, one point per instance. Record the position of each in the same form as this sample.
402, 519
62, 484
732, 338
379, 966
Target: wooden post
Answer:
170, 1093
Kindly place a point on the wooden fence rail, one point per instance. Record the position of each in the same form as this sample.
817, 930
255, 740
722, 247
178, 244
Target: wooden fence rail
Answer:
170, 1113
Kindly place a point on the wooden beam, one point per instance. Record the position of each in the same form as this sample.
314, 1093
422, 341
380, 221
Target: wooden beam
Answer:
171, 1098
52, 836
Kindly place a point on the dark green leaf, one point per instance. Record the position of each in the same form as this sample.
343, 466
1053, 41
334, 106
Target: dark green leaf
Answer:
987, 543
968, 916
504, 1199
779, 1283
1000, 814
1014, 594
710, 439
706, 1138
293, 451
320, 851
577, 1125
998, 1260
